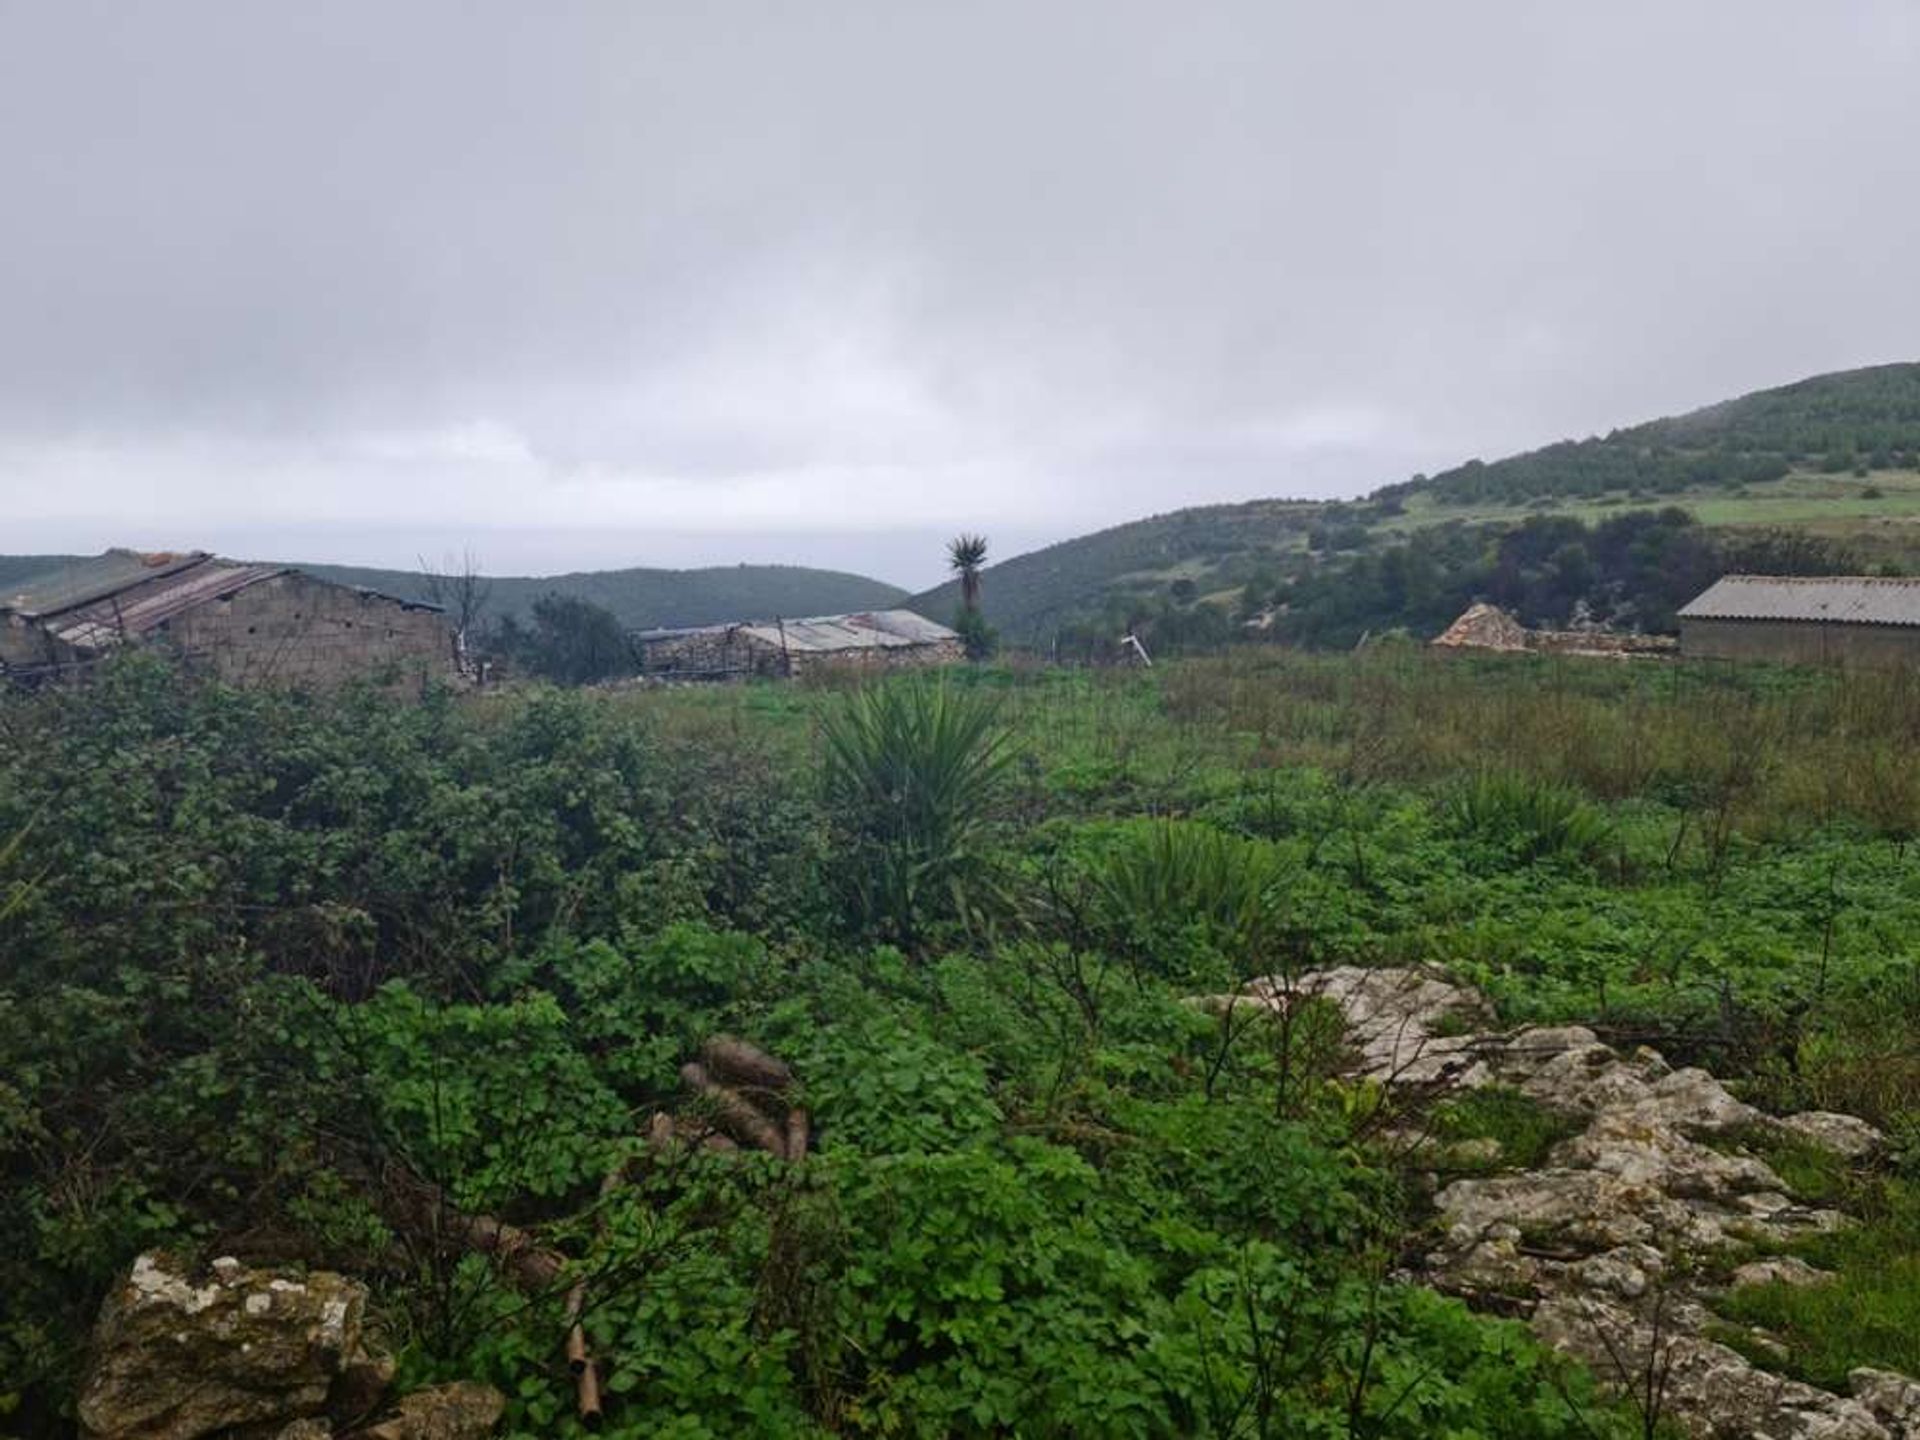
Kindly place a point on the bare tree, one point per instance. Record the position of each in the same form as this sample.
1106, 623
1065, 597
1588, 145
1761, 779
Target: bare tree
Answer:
458, 587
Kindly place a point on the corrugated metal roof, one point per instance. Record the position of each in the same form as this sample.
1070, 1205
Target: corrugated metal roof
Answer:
135, 610
87, 580
863, 630
1837, 599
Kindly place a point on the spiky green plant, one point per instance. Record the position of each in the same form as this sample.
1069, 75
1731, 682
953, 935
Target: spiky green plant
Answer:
966, 557
912, 769
1531, 818
1184, 879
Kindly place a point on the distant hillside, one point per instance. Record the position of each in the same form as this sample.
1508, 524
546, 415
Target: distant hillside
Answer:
15, 568
1224, 544
661, 597
638, 597
1835, 458
1862, 420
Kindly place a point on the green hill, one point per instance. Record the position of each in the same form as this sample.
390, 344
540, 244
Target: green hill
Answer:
1852, 420
637, 597
15, 568
660, 597
1833, 461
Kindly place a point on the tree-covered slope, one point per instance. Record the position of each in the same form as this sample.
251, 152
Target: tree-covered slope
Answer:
1853, 419
642, 597
1835, 457
1030, 593
15, 568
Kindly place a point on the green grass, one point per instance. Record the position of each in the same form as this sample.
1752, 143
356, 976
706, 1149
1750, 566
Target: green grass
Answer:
1841, 508
1869, 1315
1810, 1172
1525, 1129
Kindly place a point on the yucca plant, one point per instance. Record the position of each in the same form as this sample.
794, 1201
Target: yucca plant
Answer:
1173, 880
912, 769
967, 557
1531, 818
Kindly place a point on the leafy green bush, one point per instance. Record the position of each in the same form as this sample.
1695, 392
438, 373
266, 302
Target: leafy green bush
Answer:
1525, 1129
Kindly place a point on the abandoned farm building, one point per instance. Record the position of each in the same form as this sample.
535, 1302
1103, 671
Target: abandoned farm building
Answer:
1853, 619
870, 640
243, 623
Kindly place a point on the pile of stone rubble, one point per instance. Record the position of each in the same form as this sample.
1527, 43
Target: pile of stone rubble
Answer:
1605, 1248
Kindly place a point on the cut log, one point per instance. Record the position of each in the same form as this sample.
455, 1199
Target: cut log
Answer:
587, 1394
734, 1062
660, 1131
733, 1112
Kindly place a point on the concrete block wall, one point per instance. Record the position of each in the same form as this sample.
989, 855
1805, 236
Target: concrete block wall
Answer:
1801, 642
296, 630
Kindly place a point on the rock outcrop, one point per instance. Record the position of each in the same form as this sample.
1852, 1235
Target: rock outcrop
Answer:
178, 1355
1606, 1249
460, 1411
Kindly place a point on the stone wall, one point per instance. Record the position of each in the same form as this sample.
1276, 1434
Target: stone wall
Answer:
1801, 642
880, 658
296, 630
711, 654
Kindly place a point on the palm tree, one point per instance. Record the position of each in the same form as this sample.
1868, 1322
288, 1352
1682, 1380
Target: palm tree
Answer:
966, 554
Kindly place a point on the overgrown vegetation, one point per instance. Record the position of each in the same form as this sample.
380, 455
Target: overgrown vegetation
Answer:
267, 954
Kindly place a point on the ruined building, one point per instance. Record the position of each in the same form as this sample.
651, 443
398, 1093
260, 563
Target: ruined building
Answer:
244, 623
870, 640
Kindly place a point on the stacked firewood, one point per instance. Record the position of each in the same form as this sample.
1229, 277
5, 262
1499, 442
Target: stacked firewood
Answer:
740, 1099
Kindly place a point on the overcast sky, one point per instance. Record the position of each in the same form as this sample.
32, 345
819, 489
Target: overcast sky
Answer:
579, 285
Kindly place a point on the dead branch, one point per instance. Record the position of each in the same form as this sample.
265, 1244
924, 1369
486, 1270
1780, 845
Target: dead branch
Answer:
421, 1207
798, 1132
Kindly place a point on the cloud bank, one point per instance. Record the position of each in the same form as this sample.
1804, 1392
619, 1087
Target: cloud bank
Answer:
618, 283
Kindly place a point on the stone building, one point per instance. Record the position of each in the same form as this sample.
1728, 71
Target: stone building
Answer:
870, 640
1845, 619
243, 623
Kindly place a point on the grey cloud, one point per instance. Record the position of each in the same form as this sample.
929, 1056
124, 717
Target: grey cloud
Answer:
1018, 265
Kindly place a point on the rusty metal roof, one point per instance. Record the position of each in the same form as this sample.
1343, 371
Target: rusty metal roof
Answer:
823, 634
137, 609
54, 591
1835, 599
